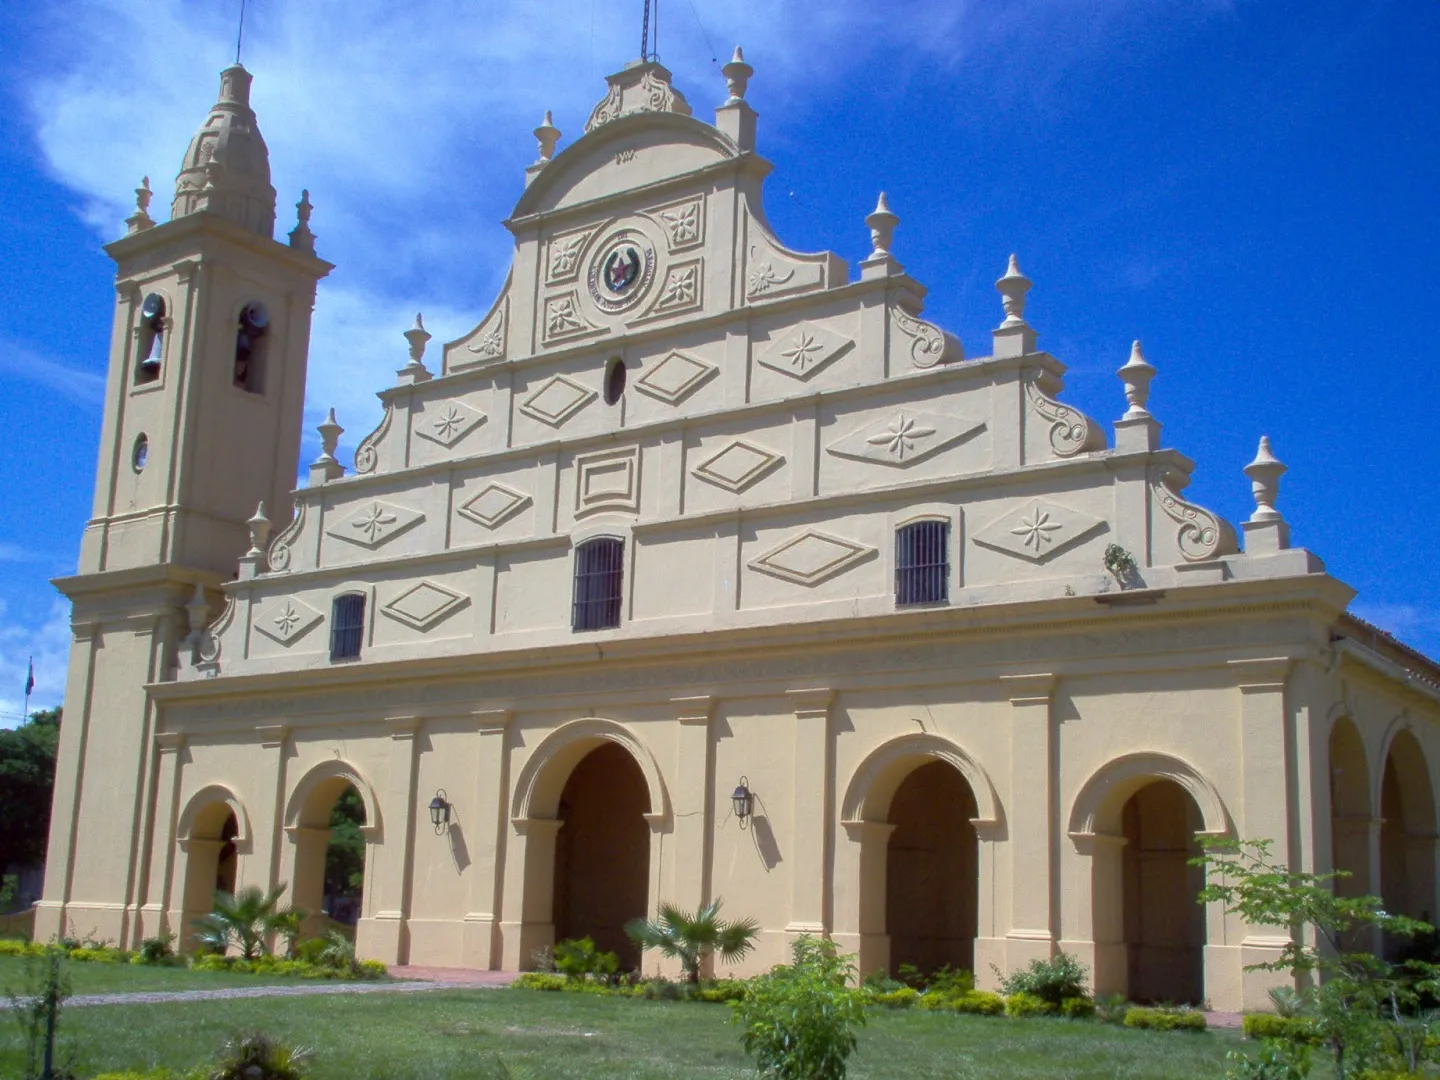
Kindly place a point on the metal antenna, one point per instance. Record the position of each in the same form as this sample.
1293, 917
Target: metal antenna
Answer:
240, 35
645, 33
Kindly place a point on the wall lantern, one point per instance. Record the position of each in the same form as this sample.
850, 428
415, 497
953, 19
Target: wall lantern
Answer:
440, 812
743, 801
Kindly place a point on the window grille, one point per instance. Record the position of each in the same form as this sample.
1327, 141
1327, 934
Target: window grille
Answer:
347, 626
922, 563
599, 575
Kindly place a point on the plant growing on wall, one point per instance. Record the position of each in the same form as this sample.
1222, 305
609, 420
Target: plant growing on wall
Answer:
1122, 565
246, 920
1363, 1008
798, 1022
691, 938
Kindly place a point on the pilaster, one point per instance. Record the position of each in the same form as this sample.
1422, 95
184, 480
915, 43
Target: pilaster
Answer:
694, 803
393, 862
481, 937
528, 922
1031, 813
151, 921
810, 833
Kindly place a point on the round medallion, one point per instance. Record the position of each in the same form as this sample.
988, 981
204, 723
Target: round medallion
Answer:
621, 273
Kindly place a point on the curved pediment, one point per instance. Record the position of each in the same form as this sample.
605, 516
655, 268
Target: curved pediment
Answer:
634, 151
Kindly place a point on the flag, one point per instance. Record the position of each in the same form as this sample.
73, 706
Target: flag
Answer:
30, 678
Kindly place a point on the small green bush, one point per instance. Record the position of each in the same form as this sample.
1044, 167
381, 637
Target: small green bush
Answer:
1062, 976
578, 958
371, 969
15, 947
1289, 1028
662, 990
539, 980
102, 954
1077, 1008
902, 998
1165, 1019
1111, 1008
719, 991
159, 949
946, 981
1023, 1004
980, 1003
132, 1074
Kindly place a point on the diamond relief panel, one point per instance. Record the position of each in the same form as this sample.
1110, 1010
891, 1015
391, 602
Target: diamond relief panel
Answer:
811, 557
675, 378
737, 466
804, 350
375, 523
448, 422
558, 400
905, 438
424, 605
494, 505
1037, 530
286, 621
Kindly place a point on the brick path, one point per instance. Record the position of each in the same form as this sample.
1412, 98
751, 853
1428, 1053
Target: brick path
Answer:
409, 980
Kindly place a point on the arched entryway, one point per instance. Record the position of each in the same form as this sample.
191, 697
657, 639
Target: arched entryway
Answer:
330, 821
1136, 823
213, 830
1407, 832
1350, 813
931, 871
602, 852
1164, 926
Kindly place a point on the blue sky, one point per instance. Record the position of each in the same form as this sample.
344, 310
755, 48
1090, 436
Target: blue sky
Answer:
1248, 187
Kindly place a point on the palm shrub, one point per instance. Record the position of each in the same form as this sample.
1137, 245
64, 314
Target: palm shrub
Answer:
256, 1056
798, 1022
246, 920
690, 938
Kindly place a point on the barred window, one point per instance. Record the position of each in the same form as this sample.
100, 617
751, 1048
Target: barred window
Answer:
922, 563
347, 626
599, 575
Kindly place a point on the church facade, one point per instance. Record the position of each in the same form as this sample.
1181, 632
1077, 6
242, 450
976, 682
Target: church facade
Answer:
700, 568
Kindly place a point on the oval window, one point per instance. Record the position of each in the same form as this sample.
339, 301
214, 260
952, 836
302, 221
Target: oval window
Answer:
614, 380
141, 453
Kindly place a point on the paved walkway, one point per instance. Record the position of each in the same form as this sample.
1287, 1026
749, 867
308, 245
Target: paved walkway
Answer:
408, 980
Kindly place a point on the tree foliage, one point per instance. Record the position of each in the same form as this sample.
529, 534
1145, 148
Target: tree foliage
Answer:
345, 855
27, 778
691, 937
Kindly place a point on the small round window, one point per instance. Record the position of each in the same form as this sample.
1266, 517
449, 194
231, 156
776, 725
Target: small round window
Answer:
141, 454
614, 380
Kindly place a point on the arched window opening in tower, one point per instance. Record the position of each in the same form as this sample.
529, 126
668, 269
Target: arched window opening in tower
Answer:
150, 339
251, 348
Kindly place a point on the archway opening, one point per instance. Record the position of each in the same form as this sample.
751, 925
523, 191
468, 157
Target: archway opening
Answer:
932, 871
329, 874
602, 852
227, 860
1407, 839
1350, 812
1164, 926
211, 863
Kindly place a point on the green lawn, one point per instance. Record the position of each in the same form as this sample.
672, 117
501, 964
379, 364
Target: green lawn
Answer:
92, 978
462, 1033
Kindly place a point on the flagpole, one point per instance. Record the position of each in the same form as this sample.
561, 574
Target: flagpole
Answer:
29, 685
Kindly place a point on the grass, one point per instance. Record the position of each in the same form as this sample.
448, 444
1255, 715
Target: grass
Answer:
466, 1033
94, 978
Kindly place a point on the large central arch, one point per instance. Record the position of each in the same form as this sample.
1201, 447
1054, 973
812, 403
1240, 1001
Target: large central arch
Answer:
588, 811
921, 815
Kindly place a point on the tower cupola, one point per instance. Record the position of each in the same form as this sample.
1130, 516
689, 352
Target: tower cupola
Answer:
227, 166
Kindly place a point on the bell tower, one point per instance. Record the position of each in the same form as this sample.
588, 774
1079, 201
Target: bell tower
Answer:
203, 409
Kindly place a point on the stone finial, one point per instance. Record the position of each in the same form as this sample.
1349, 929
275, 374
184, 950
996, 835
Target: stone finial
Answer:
301, 237
547, 135
259, 533
141, 219
882, 227
1136, 375
1013, 287
197, 611
330, 432
416, 371
1264, 473
737, 76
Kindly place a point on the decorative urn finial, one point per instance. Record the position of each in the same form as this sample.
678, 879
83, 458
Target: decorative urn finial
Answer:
737, 76
301, 237
1136, 375
415, 371
259, 533
1264, 473
547, 135
330, 432
882, 227
1013, 287
197, 613
141, 219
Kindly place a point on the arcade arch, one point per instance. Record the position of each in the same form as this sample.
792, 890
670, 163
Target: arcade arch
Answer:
321, 879
1407, 829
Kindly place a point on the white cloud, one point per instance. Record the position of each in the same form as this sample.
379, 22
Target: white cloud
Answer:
18, 361
45, 635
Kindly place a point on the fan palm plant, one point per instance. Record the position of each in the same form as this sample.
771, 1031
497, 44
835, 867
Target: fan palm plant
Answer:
691, 938
245, 919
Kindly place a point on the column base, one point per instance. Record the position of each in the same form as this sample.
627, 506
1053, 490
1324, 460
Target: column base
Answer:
520, 941
49, 920
1255, 986
990, 961
1022, 947
382, 938
480, 942
871, 951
